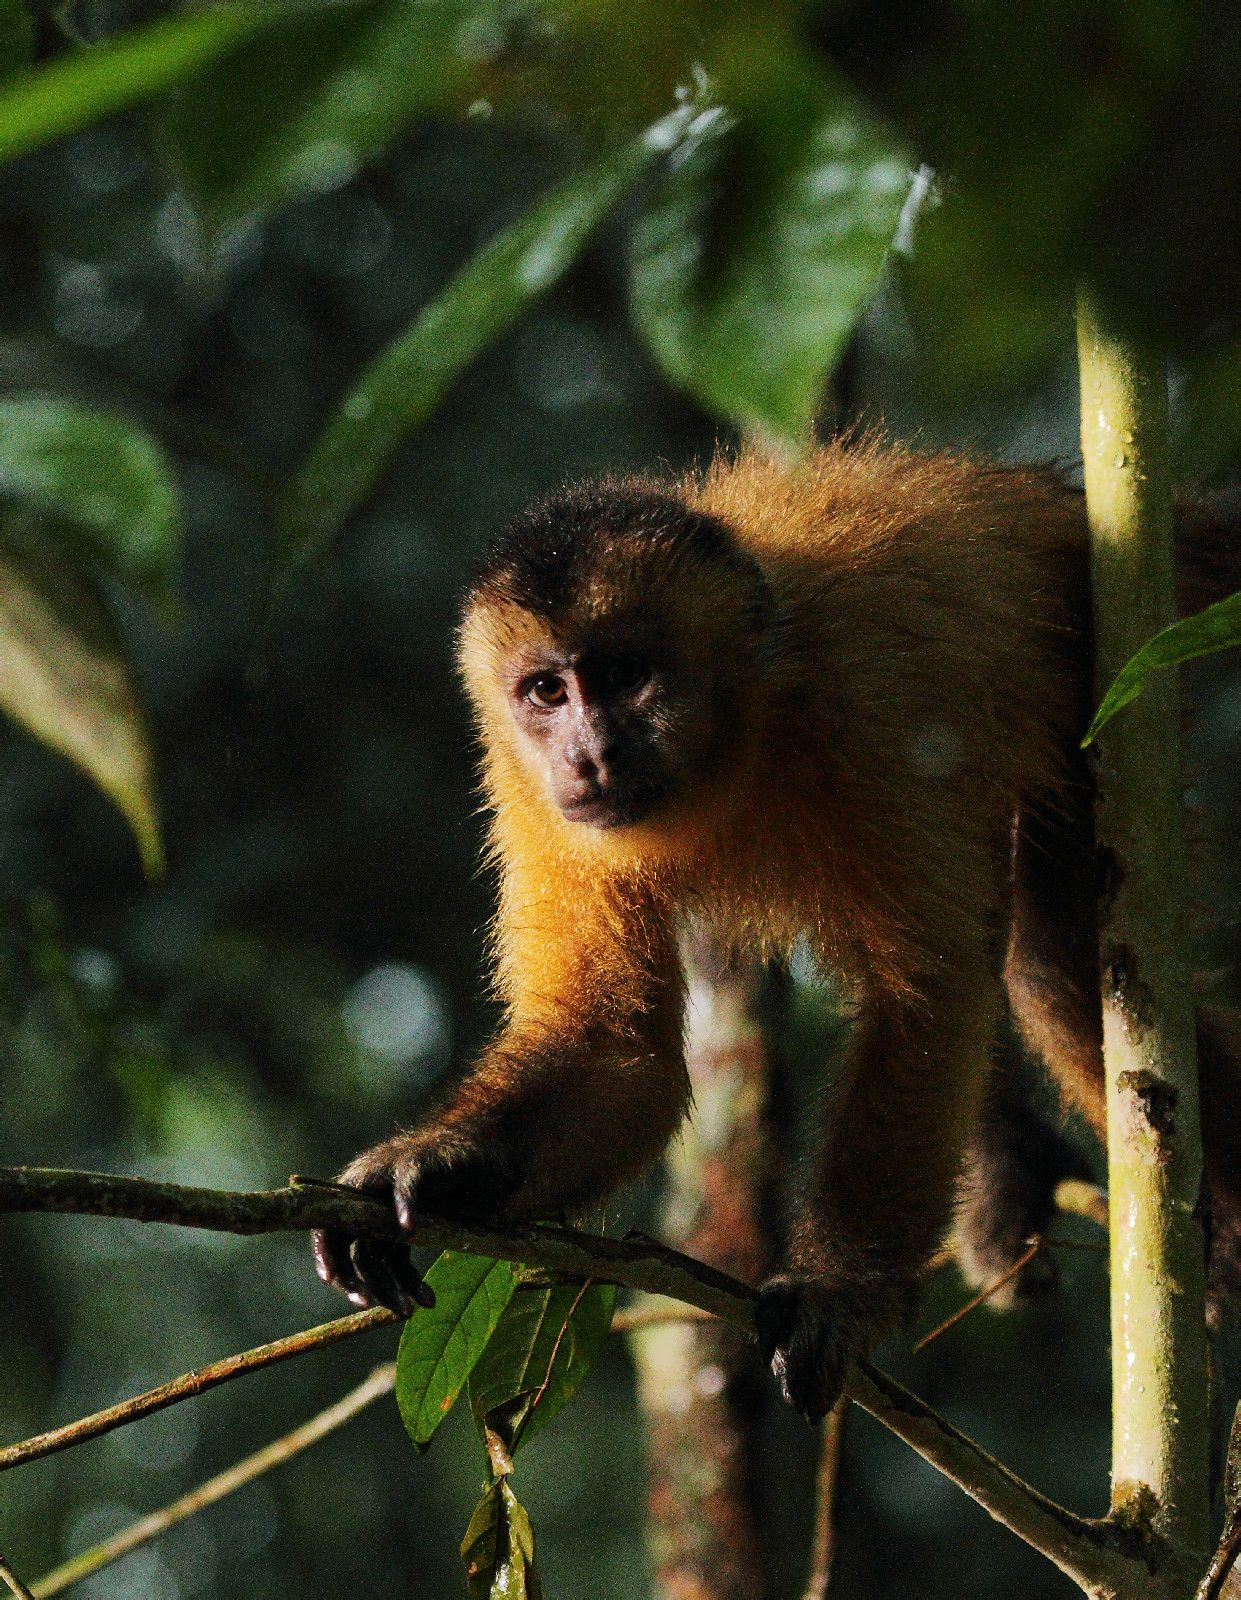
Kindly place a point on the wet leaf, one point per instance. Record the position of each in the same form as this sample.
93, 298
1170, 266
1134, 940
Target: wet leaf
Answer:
97, 472
761, 249
440, 1346
79, 88
498, 1548
544, 1345
63, 677
405, 384
1216, 628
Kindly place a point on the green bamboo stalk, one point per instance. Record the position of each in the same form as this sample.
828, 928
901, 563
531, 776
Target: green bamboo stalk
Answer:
1159, 1358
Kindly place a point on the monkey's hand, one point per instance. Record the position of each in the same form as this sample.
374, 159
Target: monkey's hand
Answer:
447, 1171
812, 1327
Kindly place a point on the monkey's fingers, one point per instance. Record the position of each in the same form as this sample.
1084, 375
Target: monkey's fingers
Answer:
330, 1247
807, 1337
387, 1275
370, 1272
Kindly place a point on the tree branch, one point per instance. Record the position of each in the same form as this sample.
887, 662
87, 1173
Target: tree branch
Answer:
141, 1532
191, 1384
1092, 1553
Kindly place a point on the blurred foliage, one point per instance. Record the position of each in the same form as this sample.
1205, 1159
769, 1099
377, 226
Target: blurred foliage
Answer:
230, 226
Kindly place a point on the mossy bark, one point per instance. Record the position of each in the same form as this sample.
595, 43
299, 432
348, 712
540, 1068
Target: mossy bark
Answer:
1159, 1359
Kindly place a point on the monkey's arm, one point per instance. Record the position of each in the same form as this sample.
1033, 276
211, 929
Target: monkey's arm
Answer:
883, 1193
580, 1090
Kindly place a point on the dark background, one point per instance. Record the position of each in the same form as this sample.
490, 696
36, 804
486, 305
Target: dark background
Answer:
309, 968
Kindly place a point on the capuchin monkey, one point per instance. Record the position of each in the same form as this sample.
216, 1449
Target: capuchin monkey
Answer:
838, 702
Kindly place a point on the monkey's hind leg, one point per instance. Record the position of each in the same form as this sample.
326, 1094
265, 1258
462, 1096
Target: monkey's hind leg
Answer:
1015, 1158
1014, 1162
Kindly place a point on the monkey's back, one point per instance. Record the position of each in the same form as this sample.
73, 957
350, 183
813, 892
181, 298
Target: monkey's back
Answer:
935, 607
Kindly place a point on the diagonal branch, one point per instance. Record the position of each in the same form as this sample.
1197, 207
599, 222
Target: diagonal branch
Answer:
191, 1384
380, 1383
1090, 1552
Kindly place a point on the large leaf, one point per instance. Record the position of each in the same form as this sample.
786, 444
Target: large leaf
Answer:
306, 104
498, 1548
77, 89
1216, 628
62, 675
403, 386
99, 473
440, 1346
546, 1342
762, 247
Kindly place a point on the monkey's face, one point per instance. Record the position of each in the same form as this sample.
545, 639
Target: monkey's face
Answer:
595, 723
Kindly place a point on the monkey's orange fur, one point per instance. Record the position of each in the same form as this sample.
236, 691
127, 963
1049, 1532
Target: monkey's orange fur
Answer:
870, 673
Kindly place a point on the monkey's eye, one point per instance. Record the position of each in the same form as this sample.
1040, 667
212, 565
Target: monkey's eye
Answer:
546, 689
625, 673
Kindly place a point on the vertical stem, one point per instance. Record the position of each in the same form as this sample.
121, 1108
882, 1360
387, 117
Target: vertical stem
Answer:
1159, 1360
695, 1380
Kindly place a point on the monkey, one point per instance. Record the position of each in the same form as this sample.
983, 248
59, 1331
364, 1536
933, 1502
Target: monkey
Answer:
838, 702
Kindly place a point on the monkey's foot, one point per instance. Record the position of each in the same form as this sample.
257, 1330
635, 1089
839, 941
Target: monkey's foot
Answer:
811, 1329
453, 1176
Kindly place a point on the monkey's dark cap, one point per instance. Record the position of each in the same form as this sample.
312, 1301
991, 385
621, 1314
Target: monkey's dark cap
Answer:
547, 558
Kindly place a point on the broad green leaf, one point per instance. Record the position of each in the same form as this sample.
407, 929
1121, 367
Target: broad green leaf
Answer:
62, 675
759, 251
546, 1342
405, 384
1216, 628
96, 471
439, 1346
79, 88
318, 95
498, 1548
16, 36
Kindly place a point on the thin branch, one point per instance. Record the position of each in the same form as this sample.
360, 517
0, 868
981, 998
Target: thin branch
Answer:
1090, 1552
655, 1317
635, 1264
190, 1384
380, 1383
984, 1294
1222, 1562
12, 1582
823, 1545
1229, 1548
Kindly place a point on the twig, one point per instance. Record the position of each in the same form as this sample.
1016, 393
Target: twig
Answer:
191, 1384
640, 1264
655, 1316
984, 1294
1221, 1562
138, 1533
1229, 1547
1091, 1552
823, 1546
13, 1583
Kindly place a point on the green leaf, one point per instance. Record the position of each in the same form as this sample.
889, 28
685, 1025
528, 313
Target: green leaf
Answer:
98, 472
405, 384
756, 256
77, 89
62, 675
319, 95
1216, 628
546, 1342
498, 1548
16, 36
440, 1346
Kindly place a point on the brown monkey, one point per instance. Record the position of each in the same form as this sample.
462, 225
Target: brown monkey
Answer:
838, 702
